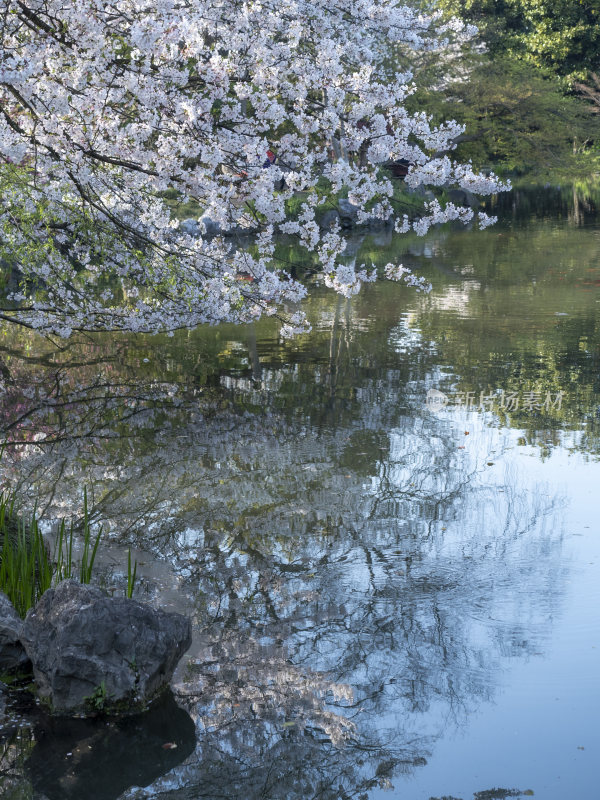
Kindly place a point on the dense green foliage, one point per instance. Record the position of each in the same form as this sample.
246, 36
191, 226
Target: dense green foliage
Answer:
517, 87
561, 35
517, 120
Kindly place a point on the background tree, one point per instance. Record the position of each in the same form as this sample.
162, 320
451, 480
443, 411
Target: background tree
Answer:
514, 87
560, 35
517, 120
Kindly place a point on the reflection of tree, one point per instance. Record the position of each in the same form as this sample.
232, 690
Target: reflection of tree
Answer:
519, 314
15, 746
414, 619
357, 577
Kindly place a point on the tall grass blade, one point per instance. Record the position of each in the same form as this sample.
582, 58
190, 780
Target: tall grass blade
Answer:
130, 575
89, 555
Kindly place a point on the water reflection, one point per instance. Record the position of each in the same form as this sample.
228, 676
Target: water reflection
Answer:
360, 569
576, 205
407, 623
64, 759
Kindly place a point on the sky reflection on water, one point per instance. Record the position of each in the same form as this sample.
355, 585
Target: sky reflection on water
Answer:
383, 595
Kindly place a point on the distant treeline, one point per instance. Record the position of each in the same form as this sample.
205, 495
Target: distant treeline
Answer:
527, 88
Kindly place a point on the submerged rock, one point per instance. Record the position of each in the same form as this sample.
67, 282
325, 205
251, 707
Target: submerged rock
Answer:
91, 653
78, 759
12, 653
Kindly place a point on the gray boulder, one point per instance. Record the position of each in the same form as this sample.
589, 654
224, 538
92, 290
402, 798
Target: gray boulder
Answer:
246, 226
348, 213
214, 228
190, 226
211, 226
462, 197
95, 653
329, 219
12, 653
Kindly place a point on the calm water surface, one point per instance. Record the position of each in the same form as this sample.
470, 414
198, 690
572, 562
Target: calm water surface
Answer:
387, 532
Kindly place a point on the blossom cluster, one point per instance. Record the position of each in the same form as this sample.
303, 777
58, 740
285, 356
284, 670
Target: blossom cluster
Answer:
112, 111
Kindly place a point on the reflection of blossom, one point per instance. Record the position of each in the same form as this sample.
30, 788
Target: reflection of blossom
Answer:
239, 680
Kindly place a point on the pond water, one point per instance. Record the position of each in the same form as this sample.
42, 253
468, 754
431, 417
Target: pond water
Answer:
386, 531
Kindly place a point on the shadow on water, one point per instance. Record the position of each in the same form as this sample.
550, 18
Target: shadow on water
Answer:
67, 759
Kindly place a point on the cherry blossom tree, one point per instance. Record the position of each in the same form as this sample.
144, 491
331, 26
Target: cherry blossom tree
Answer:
113, 109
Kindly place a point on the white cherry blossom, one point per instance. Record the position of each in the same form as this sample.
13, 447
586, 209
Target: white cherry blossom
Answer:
113, 112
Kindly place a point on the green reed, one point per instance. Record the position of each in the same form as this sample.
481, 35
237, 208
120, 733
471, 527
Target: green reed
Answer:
63, 550
131, 574
26, 567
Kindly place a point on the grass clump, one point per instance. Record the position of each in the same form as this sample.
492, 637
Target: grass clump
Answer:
25, 567
28, 569
63, 550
